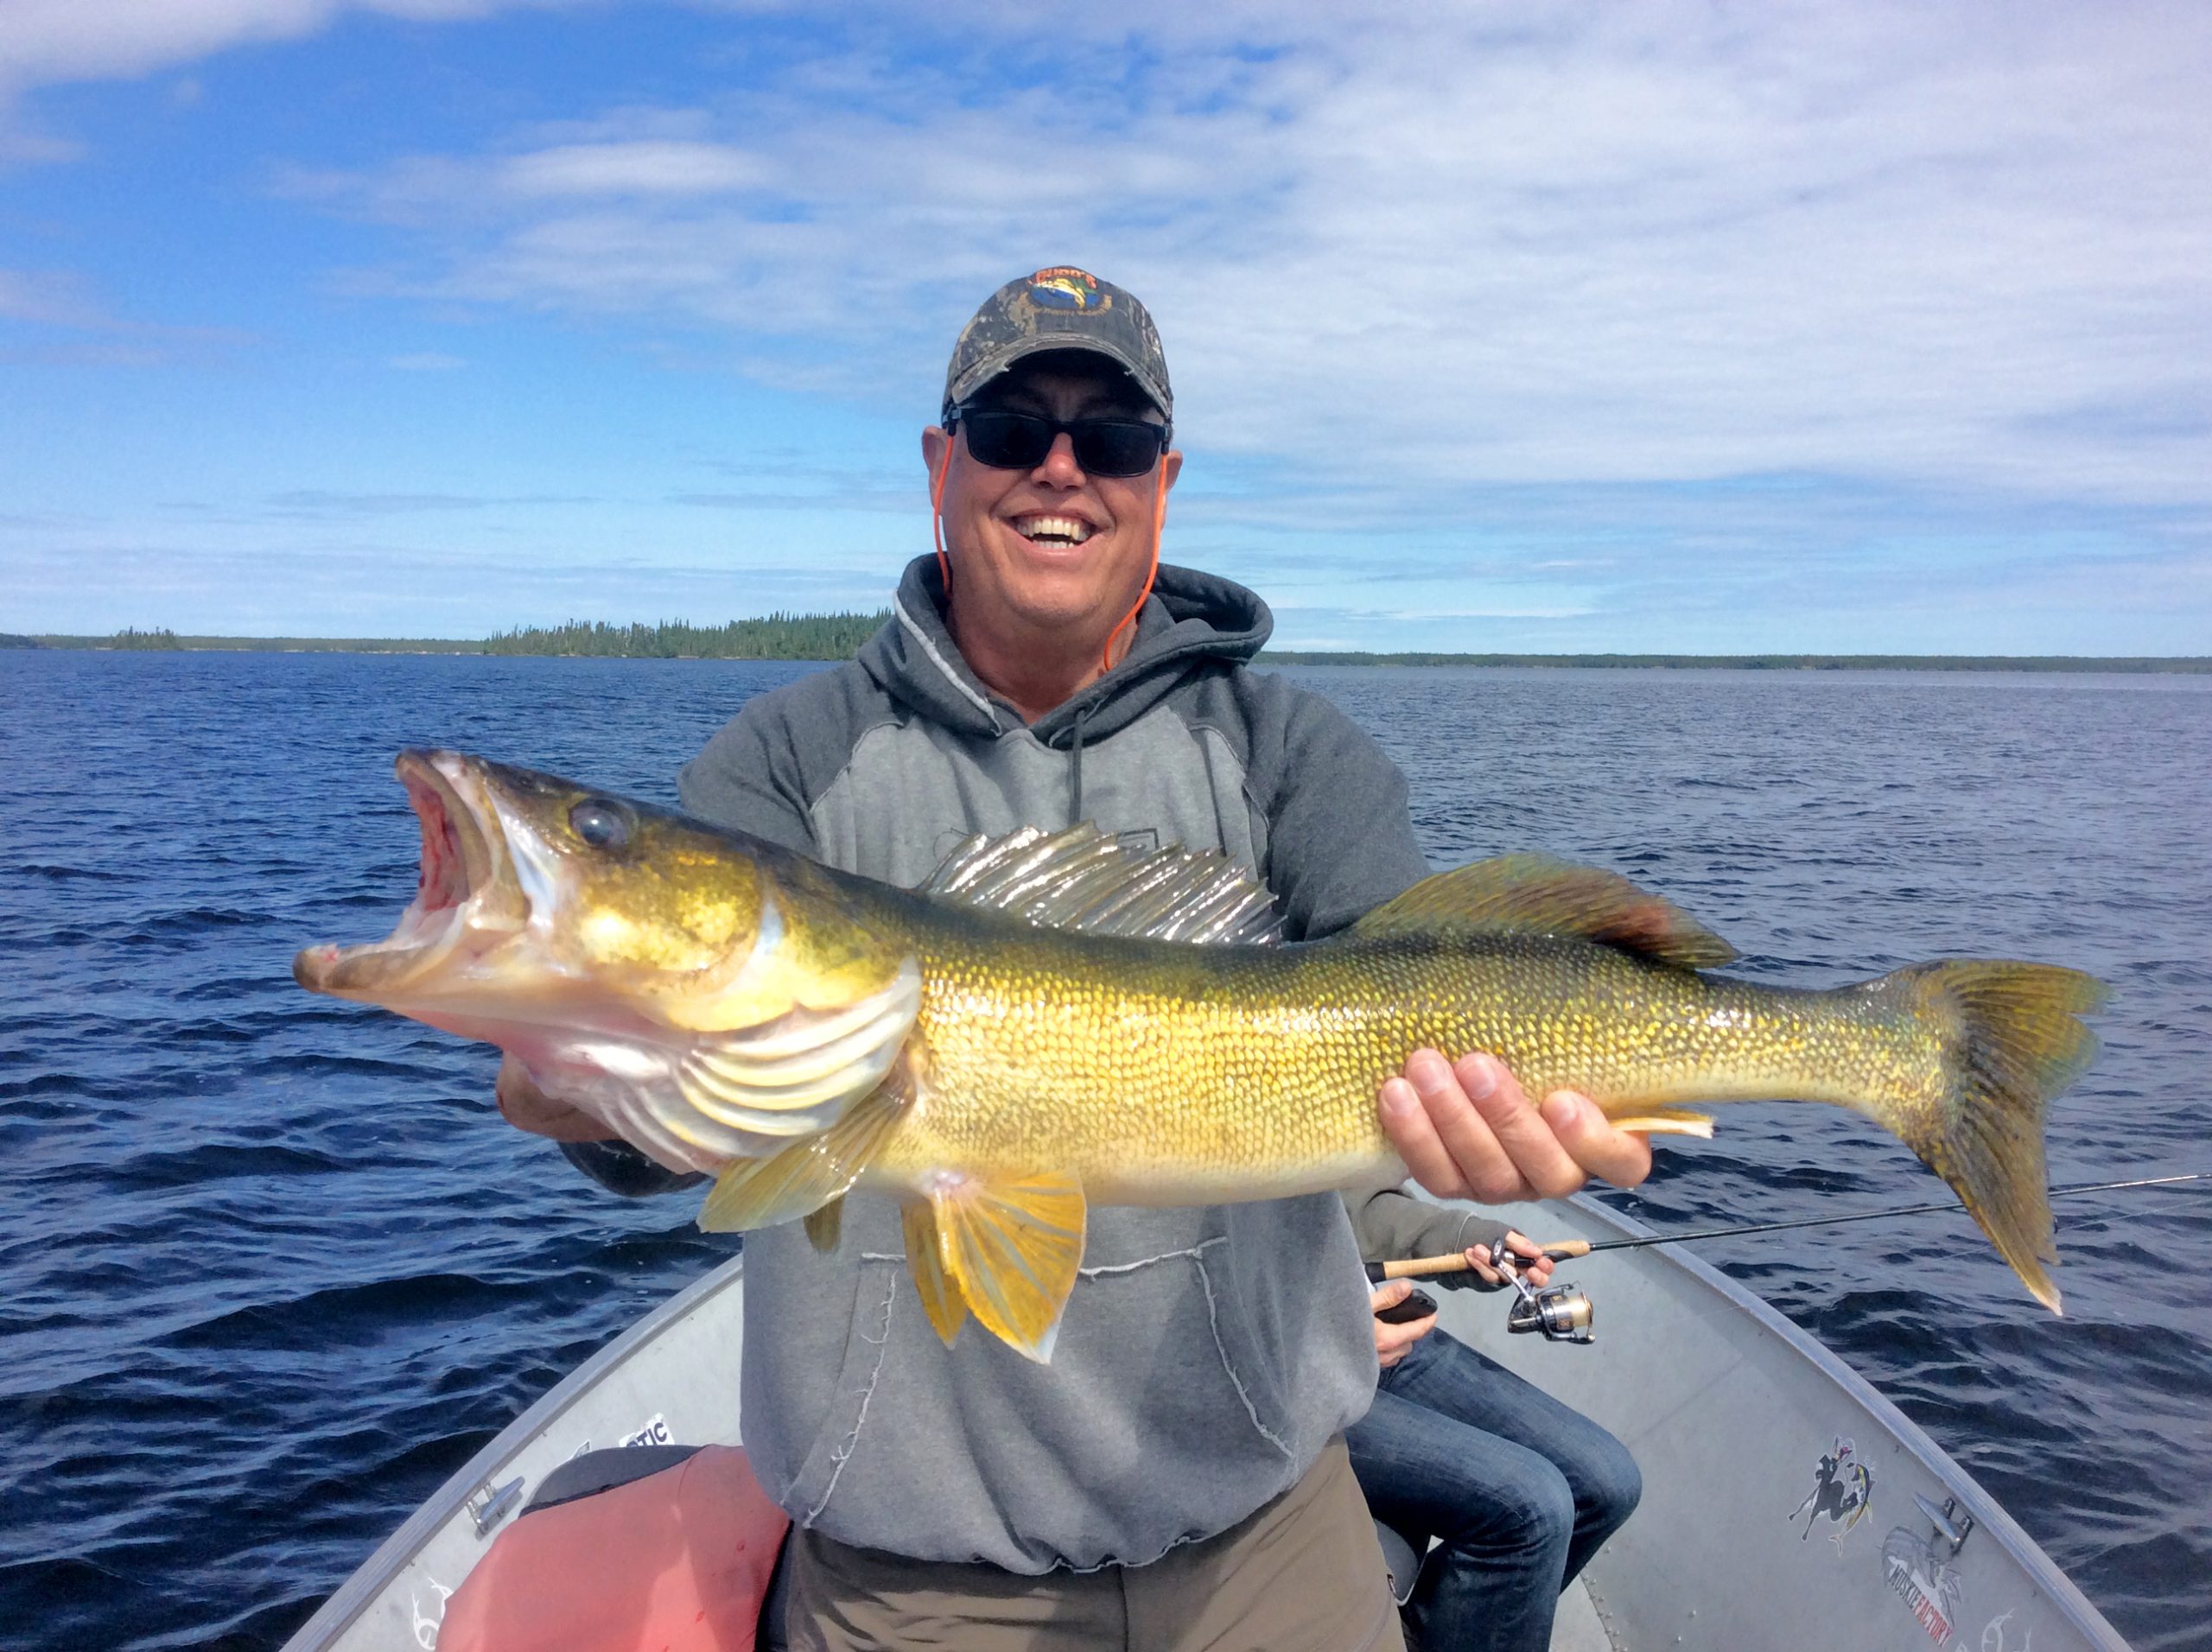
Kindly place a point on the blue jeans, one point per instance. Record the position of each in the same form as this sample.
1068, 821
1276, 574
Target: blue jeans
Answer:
1517, 1489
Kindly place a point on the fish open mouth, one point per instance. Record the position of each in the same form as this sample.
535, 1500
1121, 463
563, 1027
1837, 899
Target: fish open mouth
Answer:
455, 859
460, 891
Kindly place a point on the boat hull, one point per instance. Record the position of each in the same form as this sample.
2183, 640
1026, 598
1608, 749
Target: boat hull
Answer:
1729, 1409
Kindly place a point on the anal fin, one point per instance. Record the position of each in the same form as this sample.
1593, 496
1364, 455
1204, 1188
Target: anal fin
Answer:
1008, 1250
941, 1300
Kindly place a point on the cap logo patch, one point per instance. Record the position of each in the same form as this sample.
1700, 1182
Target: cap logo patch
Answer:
1066, 288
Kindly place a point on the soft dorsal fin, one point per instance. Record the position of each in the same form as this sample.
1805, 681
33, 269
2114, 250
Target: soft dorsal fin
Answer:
1081, 879
1536, 894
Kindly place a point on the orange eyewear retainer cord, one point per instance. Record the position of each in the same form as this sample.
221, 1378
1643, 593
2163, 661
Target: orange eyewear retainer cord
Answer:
1159, 526
937, 511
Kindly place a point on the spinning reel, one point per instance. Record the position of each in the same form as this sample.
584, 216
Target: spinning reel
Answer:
1561, 1313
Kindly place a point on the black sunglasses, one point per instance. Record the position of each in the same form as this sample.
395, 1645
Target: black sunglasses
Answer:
1006, 440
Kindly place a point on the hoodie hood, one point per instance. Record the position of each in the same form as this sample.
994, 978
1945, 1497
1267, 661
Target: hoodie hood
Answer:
1189, 619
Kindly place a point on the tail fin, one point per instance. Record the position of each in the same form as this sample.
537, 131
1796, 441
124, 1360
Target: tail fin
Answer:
2012, 1040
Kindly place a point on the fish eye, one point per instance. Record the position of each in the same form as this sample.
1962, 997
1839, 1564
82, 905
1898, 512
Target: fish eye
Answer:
601, 824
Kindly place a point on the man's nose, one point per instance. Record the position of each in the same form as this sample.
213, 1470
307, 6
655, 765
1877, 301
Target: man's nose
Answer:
1060, 467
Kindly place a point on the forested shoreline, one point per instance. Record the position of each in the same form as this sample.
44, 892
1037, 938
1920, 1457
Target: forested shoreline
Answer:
839, 637
777, 636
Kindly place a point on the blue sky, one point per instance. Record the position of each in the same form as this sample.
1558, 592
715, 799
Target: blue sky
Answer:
1856, 328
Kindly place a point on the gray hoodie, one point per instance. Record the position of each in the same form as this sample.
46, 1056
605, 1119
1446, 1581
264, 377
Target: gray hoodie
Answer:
1206, 1354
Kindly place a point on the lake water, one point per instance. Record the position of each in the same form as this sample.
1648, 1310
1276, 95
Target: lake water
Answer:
271, 1269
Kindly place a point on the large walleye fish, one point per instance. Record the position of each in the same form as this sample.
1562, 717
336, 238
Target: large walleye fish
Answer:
1052, 1023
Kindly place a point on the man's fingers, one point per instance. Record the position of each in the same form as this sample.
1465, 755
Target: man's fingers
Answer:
528, 1107
1389, 1293
1467, 1130
1406, 1120
1392, 1341
1622, 1157
1537, 1160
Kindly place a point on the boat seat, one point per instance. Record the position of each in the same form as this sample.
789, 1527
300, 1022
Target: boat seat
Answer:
1401, 1558
589, 1472
612, 1466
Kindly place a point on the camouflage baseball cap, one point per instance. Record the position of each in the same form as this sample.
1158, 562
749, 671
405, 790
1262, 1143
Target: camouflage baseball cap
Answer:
1059, 308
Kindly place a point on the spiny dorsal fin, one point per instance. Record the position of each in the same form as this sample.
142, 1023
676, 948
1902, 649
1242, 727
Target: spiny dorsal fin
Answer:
1081, 879
1536, 894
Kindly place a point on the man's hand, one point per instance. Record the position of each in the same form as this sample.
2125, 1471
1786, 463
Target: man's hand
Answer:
1391, 1341
1468, 1132
1535, 1267
528, 1107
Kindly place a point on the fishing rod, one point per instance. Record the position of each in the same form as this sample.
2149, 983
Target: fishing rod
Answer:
1562, 1250
1563, 1313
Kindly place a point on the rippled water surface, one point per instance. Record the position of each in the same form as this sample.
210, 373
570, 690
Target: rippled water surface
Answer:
271, 1269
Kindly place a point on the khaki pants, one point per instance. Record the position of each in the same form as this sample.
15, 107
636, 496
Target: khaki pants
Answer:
1301, 1574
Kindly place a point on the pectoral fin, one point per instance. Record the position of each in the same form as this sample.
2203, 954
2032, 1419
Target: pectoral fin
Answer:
823, 1226
808, 1175
1008, 1250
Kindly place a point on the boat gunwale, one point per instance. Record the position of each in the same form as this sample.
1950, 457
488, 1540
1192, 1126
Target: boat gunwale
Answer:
2063, 1593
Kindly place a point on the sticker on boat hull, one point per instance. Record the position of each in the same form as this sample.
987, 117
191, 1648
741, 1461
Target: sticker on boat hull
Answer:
426, 1624
1924, 1581
1843, 1490
652, 1431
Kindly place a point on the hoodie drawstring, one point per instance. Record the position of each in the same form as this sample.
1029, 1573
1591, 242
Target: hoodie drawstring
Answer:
1075, 767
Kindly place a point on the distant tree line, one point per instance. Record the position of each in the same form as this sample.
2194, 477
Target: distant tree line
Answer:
779, 635
1762, 661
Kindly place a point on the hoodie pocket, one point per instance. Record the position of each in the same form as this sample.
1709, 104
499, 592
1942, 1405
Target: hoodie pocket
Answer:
1158, 1422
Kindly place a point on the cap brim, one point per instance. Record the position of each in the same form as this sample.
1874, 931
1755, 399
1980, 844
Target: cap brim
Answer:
999, 361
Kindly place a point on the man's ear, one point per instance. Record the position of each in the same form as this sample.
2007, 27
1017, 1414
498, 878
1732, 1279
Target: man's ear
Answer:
935, 441
1172, 463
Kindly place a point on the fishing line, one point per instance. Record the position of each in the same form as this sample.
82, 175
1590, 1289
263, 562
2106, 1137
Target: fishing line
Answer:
1585, 1248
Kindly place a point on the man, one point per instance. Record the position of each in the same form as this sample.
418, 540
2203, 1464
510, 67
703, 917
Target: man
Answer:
1176, 1477
1518, 1490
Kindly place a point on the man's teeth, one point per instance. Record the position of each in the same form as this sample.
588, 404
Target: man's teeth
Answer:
1066, 528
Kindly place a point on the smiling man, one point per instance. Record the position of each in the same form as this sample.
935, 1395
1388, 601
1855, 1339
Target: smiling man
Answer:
1176, 1477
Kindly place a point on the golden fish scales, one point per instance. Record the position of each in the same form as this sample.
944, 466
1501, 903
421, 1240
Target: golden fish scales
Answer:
1182, 1075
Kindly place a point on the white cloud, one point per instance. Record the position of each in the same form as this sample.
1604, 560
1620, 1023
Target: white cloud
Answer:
46, 42
641, 168
1959, 245
68, 324
47, 298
